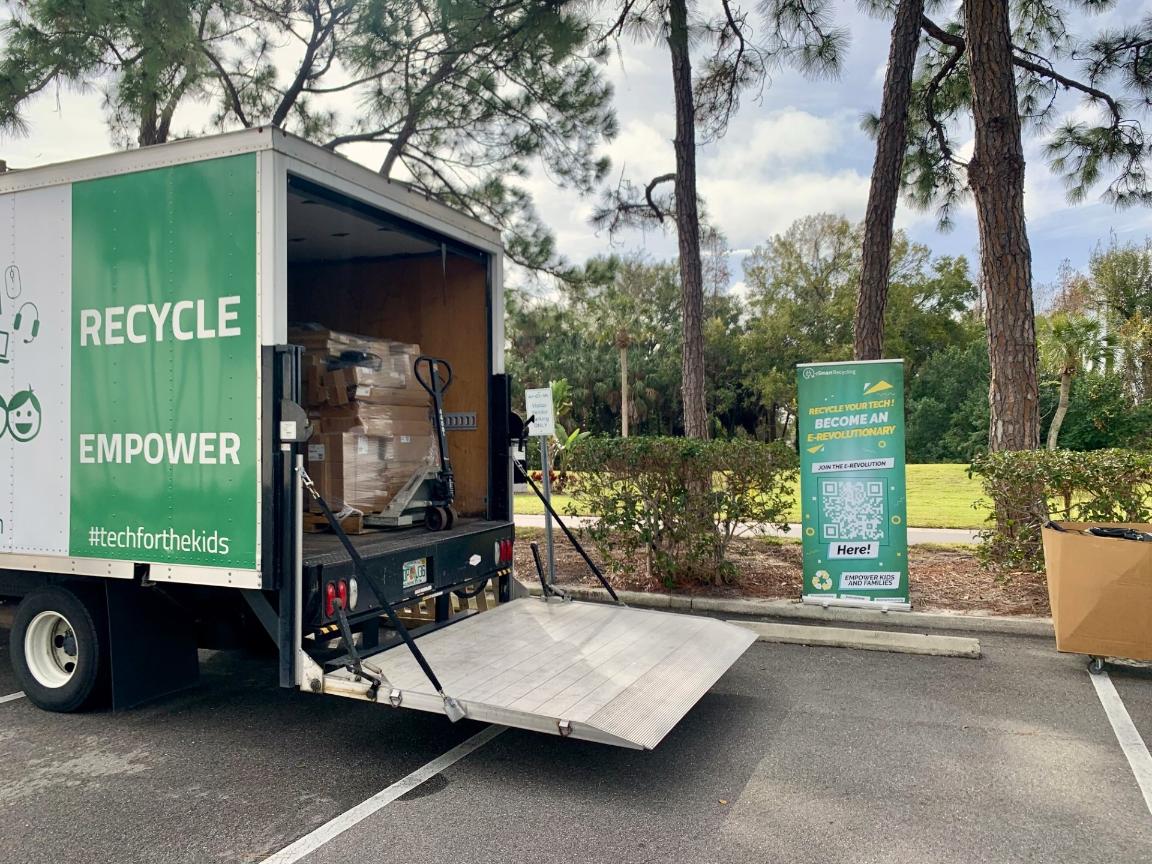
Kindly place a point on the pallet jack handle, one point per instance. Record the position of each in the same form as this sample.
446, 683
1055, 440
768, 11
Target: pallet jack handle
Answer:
451, 706
436, 387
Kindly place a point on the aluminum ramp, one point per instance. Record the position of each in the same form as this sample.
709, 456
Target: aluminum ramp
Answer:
602, 673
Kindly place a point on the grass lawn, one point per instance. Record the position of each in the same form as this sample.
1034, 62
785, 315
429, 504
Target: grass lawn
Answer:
939, 496
530, 505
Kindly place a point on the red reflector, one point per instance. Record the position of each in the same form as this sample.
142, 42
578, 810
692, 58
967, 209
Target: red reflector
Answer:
330, 599
342, 592
505, 551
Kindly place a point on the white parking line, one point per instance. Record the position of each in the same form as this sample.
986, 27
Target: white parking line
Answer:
309, 843
11, 697
1126, 733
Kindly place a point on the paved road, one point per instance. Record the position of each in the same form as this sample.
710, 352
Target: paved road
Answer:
797, 755
915, 535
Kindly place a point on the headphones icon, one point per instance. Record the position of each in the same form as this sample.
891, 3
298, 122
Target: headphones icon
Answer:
35, 320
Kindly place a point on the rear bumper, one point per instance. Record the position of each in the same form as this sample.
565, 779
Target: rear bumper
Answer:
459, 557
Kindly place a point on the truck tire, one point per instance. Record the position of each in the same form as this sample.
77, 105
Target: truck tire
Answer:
58, 649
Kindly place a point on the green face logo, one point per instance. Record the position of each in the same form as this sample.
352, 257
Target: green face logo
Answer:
24, 416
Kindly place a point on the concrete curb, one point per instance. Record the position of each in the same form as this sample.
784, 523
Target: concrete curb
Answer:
794, 610
864, 640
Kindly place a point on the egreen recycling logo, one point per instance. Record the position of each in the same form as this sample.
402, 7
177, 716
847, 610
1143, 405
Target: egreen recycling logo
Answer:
20, 415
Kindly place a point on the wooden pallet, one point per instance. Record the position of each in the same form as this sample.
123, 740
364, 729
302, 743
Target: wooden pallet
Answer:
315, 523
424, 611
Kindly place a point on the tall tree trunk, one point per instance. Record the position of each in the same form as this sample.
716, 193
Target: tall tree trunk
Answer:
625, 401
1061, 410
885, 186
996, 175
688, 225
149, 122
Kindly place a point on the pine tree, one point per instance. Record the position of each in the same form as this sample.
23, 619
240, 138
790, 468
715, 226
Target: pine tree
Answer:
1001, 64
799, 32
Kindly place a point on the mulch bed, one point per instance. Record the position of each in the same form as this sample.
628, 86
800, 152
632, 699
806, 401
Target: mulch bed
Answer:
942, 578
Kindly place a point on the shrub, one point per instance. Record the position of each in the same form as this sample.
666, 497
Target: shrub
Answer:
679, 501
1028, 487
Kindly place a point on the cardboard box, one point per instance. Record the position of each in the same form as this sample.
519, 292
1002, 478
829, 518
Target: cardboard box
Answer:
342, 367
362, 471
364, 418
1100, 589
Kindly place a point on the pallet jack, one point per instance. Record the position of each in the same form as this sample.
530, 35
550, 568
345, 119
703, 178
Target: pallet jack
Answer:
429, 494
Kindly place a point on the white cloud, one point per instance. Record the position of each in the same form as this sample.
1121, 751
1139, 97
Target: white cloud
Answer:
62, 125
643, 149
750, 210
880, 73
788, 137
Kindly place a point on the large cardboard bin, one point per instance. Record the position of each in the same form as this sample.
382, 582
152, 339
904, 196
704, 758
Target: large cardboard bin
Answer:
1100, 589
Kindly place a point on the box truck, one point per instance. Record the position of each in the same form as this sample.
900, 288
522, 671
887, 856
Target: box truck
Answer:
155, 437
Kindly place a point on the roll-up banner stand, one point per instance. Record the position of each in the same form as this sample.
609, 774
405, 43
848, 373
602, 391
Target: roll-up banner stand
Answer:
853, 498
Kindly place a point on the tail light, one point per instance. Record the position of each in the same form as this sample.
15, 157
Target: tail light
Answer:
503, 551
330, 599
342, 593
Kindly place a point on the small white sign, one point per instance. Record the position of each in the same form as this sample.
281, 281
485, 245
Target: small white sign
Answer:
853, 580
287, 430
853, 550
538, 404
315, 452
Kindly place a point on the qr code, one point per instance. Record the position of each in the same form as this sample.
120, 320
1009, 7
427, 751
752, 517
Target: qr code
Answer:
852, 509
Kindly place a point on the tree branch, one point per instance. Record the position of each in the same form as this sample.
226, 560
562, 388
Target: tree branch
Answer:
957, 42
229, 86
930, 104
940, 34
652, 184
1071, 84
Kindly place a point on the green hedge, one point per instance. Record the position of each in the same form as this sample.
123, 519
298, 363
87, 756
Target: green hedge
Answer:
677, 503
1026, 488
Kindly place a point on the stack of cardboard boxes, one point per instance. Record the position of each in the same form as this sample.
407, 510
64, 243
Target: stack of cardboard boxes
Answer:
372, 419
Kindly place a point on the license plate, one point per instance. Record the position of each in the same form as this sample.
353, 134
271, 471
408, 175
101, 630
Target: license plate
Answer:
415, 572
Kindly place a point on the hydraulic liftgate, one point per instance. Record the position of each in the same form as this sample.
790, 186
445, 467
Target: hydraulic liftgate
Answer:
582, 670
585, 670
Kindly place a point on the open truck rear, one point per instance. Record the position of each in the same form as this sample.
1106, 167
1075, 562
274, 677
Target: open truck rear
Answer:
157, 441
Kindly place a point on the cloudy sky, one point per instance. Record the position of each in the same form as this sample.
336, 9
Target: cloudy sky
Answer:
797, 150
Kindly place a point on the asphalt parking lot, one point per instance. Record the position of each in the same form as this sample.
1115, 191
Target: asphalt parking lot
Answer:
797, 755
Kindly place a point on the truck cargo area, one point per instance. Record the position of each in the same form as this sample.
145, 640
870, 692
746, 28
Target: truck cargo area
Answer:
359, 270
582, 670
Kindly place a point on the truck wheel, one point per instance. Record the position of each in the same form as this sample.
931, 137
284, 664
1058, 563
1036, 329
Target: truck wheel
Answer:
58, 649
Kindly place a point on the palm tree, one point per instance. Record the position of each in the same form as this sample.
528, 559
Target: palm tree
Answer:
1069, 344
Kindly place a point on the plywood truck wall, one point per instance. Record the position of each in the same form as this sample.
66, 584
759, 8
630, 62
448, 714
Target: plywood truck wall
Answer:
440, 304
128, 368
